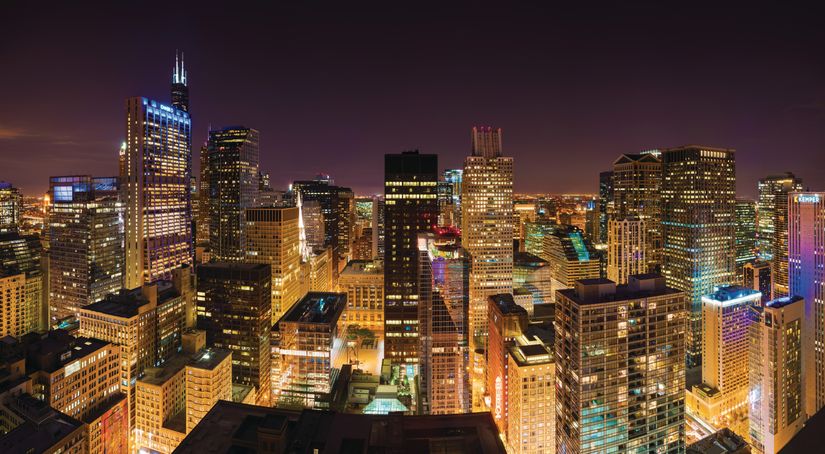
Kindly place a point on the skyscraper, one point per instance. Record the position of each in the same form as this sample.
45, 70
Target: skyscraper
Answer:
454, 177
272, 237
86, 243
745, 232
571, 257
634, 403
363, 282
637, 181
605, 203
698, 227
626, 248
772, 209
156, 191
775, 386
487, 224
806, 247
180, 85
233, 187
410, 207
758, 275
10, 205
338, 212
234, 308
202, 225
21, 271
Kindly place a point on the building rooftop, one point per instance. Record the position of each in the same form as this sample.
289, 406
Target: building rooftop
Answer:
317, 307
528, 259
356, 267
733, 293
127, 303
601, 290
809, 439
533, 354
784, 301
237, 428
42, 429
159, 375
209, 358
53, 350
724, 441
506, 304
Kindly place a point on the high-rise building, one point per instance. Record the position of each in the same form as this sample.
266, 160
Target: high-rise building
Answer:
637, 181
147, 323
806, 278
24, 284
776, 408
308, 348
10, 207
235, 309
156, 191
531, 274
757, 274
487, 224
410, 207
337, 207
313, 216
531, 397
721, 398
233, 187
202, 215
318, 273
363, 282
698, 227
571, 257
86, 243
772, 212
454, 178
444, 379
626, 248
605, 203
534, 233
745, 232
635, 404
273, 237
507, 320
180, 85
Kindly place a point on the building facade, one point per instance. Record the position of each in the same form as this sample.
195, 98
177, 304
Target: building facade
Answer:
745, 232
698, 227
758, 275
637, 182
772, 207
626, 248
363, 283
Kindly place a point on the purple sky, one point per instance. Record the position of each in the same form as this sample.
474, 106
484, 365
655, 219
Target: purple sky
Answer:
332, 87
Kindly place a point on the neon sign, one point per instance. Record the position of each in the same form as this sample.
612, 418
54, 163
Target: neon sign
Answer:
808, 198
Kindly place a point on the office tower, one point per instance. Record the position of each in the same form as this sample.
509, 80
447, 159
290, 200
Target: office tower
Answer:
454, 178
487, 224
698, 227
74, 375
86, 243
534, 233
337, 208
308, 346
235, 309
410, 206
202, 215
600, 400
637, 181
156, 191
806, 247
758, 275
272, 237
772, 209
571, 257
524, 211
605, 203
180, 86
24, 283
233, 187
378, 228
147, 323
531, 397
745, 232
626, 248
506, 321
592, 224
313, 224
446, 209
443, 380
10, 207
363, 283
775, 386
722, 397
44, 430
173, 397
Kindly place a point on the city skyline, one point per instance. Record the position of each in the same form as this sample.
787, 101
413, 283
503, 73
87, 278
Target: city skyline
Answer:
334, 99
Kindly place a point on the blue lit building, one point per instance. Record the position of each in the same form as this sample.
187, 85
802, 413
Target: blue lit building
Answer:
155, 187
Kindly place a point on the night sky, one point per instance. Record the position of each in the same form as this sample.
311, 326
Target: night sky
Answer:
332, 87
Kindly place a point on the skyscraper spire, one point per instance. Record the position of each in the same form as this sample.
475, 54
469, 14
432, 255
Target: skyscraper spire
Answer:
180, 90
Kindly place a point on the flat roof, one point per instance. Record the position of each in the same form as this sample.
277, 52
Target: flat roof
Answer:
731, 292
39, 436
507, 304
317, 307
209, 358
784, 301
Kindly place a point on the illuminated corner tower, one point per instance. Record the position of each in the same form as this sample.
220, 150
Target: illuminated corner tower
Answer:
806, 248
637, 180
772, 209
156, 193
410, 207
233, 187
180, 85
698, 227
487, 224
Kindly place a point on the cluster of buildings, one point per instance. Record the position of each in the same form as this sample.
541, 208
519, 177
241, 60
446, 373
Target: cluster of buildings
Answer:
161, 312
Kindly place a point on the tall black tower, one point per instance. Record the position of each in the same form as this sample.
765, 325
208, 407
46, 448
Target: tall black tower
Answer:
180, 90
